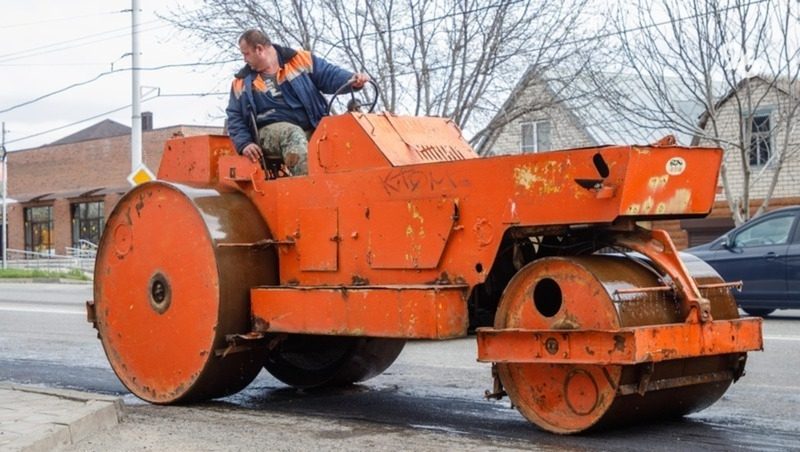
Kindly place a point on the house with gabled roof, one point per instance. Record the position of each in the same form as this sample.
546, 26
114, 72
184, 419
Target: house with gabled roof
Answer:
769, 109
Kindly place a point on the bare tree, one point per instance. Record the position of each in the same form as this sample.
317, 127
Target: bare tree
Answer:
709, 69
458, 59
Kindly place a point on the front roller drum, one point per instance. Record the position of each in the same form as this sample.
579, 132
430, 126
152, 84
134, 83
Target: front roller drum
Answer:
600, 293
172, 281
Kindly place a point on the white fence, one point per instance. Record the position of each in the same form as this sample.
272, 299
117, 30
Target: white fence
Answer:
76, 258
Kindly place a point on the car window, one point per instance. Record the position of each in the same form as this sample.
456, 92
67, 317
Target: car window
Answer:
774, 231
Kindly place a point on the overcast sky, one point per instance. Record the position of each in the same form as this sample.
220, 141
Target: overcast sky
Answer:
49, 45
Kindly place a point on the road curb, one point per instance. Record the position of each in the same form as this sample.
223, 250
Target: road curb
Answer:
50, 425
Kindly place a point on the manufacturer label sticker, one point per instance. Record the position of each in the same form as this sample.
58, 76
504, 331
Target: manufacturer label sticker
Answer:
676, 166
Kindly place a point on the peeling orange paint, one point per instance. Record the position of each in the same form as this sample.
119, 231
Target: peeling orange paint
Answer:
658, 182
524, 176
647, 205
679, 202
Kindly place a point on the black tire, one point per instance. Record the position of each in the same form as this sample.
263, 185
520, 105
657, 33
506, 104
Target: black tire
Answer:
309, 361
758, 312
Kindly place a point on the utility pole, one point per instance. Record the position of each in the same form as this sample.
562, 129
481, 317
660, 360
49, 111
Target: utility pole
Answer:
4, 158
136, 118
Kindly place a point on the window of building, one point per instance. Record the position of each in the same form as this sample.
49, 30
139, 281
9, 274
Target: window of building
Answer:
39, 229
535, 136
760, 140
87, 223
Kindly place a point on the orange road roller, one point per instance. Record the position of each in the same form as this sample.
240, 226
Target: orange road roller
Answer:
401, 231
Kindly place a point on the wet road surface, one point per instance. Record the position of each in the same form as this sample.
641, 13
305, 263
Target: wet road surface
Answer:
434, 387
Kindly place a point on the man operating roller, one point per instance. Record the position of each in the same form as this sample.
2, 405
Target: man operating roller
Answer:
276, 100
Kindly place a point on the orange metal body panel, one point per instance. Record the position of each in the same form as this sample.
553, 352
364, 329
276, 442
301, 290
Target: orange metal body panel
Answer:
396, 200
388, 311
194, 159
633, 345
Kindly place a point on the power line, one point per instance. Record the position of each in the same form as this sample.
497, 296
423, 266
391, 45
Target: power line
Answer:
53, 93
102, 63
433, 68
59, 19
76, 122
439, 67
115, 71
445, 16
61, 46
61, 43
146, 99
592, 38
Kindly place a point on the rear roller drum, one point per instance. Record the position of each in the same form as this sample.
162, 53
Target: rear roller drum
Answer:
307, 361
579, 293
167, 294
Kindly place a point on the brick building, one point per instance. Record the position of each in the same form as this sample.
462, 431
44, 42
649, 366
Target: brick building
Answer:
63, 192
772, 150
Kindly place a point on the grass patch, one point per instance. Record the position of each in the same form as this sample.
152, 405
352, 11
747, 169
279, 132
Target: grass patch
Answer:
36, 273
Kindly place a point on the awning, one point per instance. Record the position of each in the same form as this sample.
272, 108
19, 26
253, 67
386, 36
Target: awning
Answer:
32, 197
70, 194
113, 190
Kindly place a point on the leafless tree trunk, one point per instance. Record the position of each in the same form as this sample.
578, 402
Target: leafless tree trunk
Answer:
734, 59
458, 59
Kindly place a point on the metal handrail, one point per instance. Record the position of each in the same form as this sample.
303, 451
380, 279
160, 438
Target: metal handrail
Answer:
51, 261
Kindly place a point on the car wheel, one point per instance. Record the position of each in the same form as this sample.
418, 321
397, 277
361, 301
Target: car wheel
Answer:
758, 312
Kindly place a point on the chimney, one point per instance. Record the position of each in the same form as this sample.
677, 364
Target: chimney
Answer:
147, 121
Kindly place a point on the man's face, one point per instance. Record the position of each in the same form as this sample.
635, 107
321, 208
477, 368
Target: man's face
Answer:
254, 56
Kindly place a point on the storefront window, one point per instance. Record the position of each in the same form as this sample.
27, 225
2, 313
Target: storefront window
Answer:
39, 229
87, 223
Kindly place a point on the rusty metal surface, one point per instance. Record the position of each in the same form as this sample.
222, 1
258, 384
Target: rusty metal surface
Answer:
319, 227
422, 311
450, 216
166, 296
634, 345
658, 247
194, 160
429, 223
394, 225
615, 342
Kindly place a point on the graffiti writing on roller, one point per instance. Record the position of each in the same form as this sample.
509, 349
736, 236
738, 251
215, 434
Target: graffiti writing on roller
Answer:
416, 181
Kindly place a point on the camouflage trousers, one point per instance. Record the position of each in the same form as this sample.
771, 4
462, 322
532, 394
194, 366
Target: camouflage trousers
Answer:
288, 140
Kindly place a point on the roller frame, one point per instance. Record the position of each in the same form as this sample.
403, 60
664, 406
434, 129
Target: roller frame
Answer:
624, 346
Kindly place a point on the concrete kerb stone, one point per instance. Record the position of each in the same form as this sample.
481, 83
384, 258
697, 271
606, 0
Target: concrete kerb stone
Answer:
94, 413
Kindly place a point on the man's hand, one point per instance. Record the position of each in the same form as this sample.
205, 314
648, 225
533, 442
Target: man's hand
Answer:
359, 79
253, 152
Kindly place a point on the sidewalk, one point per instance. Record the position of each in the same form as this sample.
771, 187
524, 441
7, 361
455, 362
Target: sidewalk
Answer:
40, 419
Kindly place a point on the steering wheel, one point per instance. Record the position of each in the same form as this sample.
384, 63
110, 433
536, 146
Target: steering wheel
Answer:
355, 104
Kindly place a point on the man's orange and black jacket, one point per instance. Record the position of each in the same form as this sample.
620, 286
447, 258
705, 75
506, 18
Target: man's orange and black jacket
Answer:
302, 78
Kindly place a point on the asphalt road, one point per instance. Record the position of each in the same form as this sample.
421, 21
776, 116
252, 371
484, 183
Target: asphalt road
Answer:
431, 398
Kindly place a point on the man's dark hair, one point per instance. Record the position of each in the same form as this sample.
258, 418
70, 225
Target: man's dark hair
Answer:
255, 37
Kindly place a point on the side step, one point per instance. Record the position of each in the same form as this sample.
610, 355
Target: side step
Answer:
397, 311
